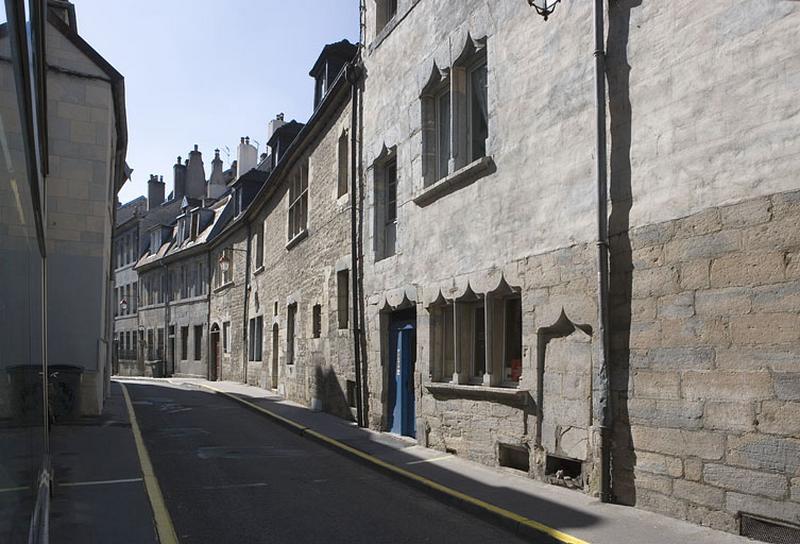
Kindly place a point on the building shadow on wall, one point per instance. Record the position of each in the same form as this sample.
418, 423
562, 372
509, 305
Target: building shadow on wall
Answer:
329, 391
621, 259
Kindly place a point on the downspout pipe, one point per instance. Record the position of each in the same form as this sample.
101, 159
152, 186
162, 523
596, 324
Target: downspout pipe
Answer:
602, 389
245, 333
353, 76
211, 375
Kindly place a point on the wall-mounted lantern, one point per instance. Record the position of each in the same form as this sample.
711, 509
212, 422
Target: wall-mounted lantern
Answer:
544, 7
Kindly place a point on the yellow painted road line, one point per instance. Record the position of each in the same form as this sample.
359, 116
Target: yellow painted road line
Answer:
101, 482
164, 527
496, 510
13, 489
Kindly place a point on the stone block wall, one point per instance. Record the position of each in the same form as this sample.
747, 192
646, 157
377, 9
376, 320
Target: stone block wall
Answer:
304, 273
706, 361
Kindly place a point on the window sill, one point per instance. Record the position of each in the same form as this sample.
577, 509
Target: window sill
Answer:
299, 237
258, 270
222, 287
511, 395
458, 179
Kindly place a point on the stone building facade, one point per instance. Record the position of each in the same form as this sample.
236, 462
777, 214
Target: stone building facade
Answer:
479, 246
299, 302
85, 142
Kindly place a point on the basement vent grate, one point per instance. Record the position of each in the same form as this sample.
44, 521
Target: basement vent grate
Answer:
515, 457
766, 530
564, 471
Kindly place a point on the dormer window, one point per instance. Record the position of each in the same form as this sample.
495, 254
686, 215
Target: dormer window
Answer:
155, 241
321, 85
195, 225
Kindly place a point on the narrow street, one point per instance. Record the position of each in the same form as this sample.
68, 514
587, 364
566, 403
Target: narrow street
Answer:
230, 475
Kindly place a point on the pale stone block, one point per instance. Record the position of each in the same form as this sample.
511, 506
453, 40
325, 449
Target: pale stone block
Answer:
653, 234
778, 417
784, 297
666, 413
679, 442
787, 385
659, 464
646, 480
765, 452
777, 235
745, 481
715, 519
658, 502
74, 112
693, 469
721, 385
760, 506
702, 247
656, 385
749, 212
82, 132
694, 331
698, 493
731, 301
774, 328
688, 358
654, 282
747, 270
729, 416
764, 357
705, 222
694, 274
676, 306
795, 496
786, 204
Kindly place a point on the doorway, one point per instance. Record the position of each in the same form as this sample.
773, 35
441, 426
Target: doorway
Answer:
274, 372
402, 346
213, 360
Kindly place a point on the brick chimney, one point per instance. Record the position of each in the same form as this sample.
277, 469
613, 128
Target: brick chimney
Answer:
195, 175
155, 192
179, 180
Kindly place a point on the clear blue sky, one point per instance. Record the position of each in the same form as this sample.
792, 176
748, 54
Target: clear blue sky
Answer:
207, 72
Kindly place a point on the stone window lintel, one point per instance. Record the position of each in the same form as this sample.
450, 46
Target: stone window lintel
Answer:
458, 179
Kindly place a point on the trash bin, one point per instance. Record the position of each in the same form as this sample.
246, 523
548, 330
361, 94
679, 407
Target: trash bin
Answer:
65, 391
158, 369
26, 392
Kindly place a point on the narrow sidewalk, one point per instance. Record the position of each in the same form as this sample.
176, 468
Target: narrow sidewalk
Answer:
573, 515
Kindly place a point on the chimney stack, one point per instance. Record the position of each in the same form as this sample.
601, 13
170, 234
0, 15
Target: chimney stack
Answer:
195, 175
247, 157
216, 183
155, 192
179, 188
274, 125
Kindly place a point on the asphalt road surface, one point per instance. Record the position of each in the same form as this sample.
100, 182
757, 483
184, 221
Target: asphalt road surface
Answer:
231, 475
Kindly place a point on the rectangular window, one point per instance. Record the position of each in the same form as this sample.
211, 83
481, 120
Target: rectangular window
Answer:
512, 359
291, 315
443, 342
184, 343
479, 342
134, 301
258, 241
226, 337
342, 296
150, 342
443, 132
257, 336
384, 11
135, 345
317, 320
198, 341
344, 149
386, 208
298, 201
195, 225
160, 344
478, 111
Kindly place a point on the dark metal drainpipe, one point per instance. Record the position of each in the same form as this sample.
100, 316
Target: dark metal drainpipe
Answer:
246, 302
603, 421
353, 76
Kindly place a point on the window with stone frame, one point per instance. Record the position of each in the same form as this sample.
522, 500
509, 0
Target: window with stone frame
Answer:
150, 345
477, 338
198, 342
385, 10
226, 337
134, 301
160, 344
222, 276
455, 113
342, 298
255, 339
184, 343
385, 173
316, 320
298, 201
258, 242
291, 322
343, 157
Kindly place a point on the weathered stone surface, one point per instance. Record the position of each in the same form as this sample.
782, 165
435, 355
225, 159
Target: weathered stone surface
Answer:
694, 331
694, 274
765, 452
749, 212
777, 235
658, 502
699, 493
760, 506
665, 359
731, 301
704, 222
679, 442
655, 282
702, 247
646, 480
795, 496
666, 413
775, 328
676, 306
787, 385
778, 417
659, 464
656, 385
693, 469
745, 481
783, 297
747, 270
716, 385
784, 358
715, 519
729, 416
653, 234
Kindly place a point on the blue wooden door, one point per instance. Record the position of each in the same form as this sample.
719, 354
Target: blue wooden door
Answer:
402, 359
